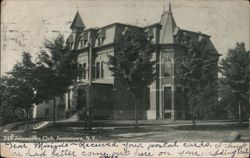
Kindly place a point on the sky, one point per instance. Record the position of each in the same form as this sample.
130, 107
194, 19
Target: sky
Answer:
26, 23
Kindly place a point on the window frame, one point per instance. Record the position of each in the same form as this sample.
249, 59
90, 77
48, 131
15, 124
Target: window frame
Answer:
97, 70
167, 67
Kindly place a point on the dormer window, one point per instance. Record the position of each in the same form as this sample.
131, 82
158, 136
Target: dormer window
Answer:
100, 41
84, 39
149, 34
126, 31
100, 37
70, 41
202, 40
70, 44
84, 43
185, 38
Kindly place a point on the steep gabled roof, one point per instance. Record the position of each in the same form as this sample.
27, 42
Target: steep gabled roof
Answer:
77, 22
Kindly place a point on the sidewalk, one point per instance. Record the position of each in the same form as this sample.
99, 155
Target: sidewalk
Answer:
125, 123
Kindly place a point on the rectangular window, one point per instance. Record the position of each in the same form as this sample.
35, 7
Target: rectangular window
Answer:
178, 98
102, 69
84, 71
147, 98
167, 98
85, 43
93, 73
100, 41
82, 43
97, 70
80, 71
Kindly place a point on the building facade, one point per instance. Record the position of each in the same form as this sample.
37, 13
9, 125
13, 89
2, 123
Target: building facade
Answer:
45, 110
165, 97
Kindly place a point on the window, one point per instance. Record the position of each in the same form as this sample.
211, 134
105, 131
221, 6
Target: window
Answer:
70, 44
97, 71
80, 71
102, 69
84, 71
83, 43
100, 41
178, 98
167, 68
149, 34
101, 36
167, 98
147, 98
150, 38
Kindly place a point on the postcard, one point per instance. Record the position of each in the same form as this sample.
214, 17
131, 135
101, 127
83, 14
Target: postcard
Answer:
125, 78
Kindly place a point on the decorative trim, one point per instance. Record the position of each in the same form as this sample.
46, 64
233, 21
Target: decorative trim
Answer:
170, 46
106, 46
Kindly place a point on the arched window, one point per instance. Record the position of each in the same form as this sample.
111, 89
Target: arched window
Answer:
167, 68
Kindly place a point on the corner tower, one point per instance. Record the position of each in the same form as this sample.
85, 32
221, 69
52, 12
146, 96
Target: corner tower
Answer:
77, 28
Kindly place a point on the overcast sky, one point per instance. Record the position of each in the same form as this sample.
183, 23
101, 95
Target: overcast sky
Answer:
25, 23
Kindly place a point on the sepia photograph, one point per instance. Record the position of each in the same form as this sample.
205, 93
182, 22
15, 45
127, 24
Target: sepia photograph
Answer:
127, 71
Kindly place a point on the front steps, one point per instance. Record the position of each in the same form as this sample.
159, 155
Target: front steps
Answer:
42, 124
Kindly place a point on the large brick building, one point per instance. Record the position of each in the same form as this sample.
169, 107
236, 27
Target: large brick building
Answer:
165, 97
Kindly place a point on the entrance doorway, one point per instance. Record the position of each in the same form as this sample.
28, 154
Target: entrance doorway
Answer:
81, 99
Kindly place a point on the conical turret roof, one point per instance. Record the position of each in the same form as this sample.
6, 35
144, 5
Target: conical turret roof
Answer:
168, 27
77, 22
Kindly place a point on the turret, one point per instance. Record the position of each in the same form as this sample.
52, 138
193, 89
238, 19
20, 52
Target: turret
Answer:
168, 28
77, 28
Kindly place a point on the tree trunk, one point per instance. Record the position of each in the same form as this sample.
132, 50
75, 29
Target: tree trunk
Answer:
54, 111
89, 107
240, 118
135, 110
27, 117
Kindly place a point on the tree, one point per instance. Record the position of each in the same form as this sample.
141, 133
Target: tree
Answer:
234, 81
6, 109
18, 87
56, 69
133, 64
196, 71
